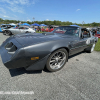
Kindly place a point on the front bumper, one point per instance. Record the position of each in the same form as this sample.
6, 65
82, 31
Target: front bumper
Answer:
12, 60
21, 58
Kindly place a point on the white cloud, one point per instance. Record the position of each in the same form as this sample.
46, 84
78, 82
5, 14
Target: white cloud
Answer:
16, 5
2, 10
6, 16
29, 20
14, 15
16, 8
78, 9
22, 2
47, 19
49, 14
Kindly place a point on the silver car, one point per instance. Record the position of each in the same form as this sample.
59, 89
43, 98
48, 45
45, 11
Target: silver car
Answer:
17, 30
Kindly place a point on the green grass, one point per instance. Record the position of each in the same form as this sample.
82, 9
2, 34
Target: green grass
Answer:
38, 32
97, 47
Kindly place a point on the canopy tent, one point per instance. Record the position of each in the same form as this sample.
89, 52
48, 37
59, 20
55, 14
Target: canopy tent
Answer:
35, 24
3, 24
12, 24
19, 23
43, 25
25, 24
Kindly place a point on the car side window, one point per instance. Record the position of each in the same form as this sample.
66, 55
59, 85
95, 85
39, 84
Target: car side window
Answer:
76, 32
21, 27
26, 28
86, 34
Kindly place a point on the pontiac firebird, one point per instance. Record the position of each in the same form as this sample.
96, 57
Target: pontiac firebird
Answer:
34, 51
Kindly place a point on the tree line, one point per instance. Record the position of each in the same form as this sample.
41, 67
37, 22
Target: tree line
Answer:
55, 22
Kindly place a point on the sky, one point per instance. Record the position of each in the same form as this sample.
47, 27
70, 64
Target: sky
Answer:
75, 11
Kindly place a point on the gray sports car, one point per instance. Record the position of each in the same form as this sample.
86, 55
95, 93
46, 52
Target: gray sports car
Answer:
34, 51
17, 30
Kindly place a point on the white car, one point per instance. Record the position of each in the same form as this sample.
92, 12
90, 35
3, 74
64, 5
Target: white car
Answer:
17, 30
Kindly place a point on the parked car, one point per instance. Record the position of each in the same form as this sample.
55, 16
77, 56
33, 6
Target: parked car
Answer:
97, 34
34, 50
6, 26
48, 28
17, 30
2, 27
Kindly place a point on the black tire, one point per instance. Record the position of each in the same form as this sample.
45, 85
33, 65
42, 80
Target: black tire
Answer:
26, 32
9, 33
4, 33
61, 52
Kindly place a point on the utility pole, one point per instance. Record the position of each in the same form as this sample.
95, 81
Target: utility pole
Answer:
33, 19
83, 23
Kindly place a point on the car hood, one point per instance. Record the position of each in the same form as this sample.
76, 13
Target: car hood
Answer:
34, 38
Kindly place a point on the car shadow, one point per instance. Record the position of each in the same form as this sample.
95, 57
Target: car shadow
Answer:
20, 71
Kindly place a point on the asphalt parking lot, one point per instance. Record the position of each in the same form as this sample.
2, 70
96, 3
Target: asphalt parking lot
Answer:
78, 80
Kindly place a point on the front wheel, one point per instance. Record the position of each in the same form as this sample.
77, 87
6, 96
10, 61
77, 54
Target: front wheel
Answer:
4, 33
57, 60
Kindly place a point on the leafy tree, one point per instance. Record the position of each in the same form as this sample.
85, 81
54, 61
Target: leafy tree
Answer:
55, 22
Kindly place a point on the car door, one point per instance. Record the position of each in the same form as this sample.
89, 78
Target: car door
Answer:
76, 43
86, 40
15, 31
22, 29
26, 29
80, 43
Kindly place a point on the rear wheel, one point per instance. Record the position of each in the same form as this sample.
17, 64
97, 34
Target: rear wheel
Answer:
57, 60
9, 33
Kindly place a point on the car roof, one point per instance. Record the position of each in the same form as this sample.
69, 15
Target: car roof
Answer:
71, 26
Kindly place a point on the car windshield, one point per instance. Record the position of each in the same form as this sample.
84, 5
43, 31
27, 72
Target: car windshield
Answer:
67, 30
